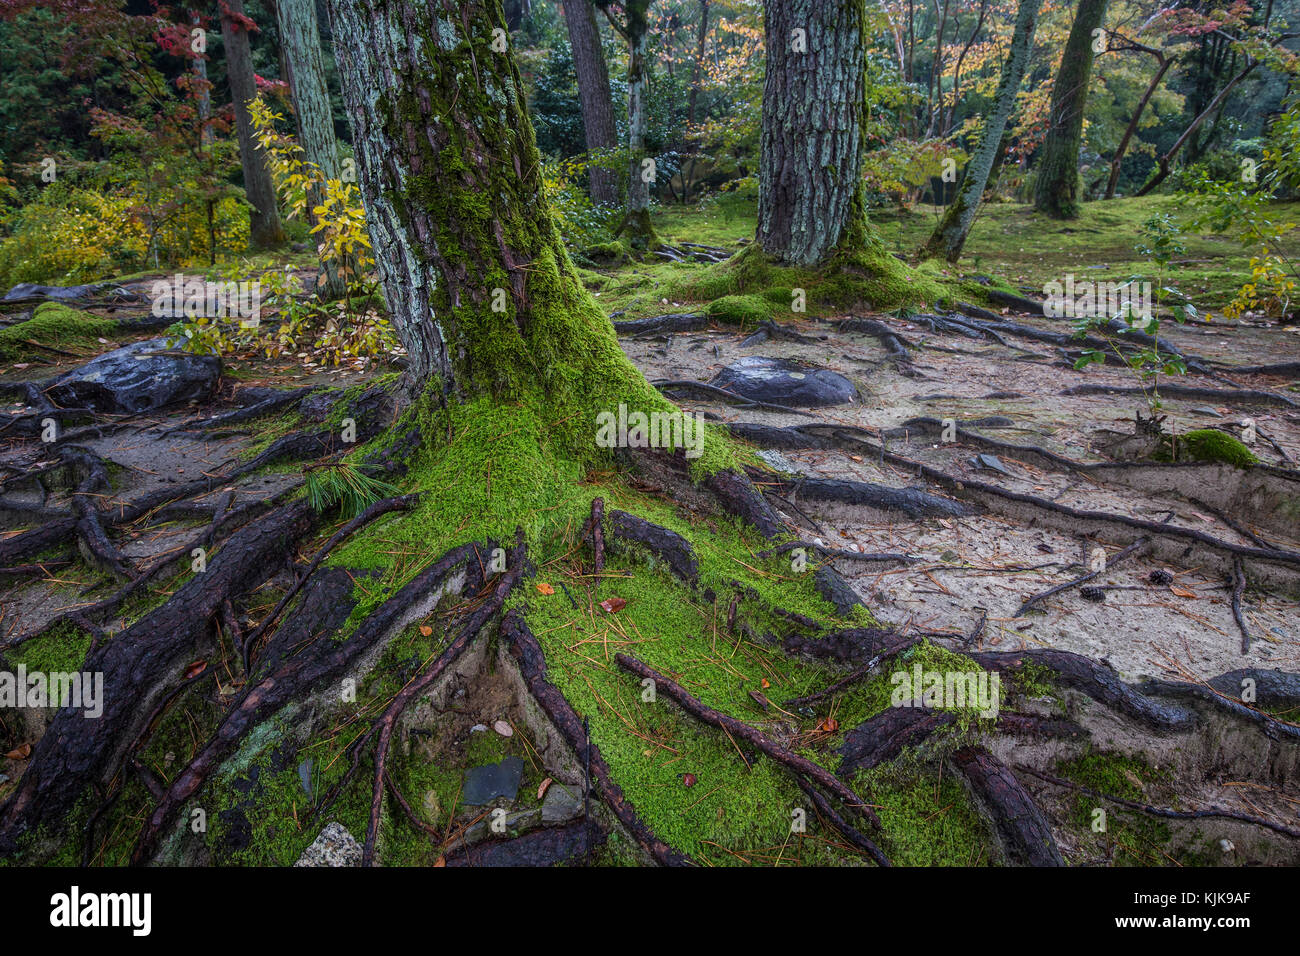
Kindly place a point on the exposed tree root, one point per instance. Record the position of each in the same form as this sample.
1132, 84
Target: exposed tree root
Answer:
532, 665
837, 552
1166, 813
662, 324
1238, 587
741, 731
669, 545
913, 503
740, 401
1023, 832
1225, 396
899, 349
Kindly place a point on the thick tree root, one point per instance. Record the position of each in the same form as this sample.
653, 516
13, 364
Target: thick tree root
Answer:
663, 324
669, 545
1023, 832
139, 666
1042, 596
713, 391
913, 503
304, 673
532, 666
1224, 396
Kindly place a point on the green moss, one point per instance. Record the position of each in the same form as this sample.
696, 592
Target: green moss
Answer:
926, 816
607, 253
1210, 444
742, 310
56, 325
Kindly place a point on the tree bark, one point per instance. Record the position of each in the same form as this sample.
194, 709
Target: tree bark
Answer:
593, 94
697, 71
950, 235
1056, 191
481, 291
305, 71
264, 217
811, 147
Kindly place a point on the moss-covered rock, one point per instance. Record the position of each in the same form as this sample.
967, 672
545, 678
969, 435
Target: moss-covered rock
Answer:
743, 310
55, 325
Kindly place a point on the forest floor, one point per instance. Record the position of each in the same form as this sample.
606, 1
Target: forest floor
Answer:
969, 574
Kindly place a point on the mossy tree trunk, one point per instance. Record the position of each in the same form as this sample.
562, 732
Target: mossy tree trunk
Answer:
1056, 191
811, 148
635, 26
481, 290
593, 94
300, 44
264, 216
950, 235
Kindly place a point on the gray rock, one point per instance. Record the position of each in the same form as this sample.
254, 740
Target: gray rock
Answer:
778, 461
486, 783
30, 290
992, 463
785, 382
137, 378
334, 847
562, 803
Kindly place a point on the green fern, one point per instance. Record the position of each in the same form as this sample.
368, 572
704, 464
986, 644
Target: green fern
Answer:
346, 486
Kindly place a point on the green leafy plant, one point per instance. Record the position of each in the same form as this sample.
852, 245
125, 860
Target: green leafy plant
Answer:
1161, 242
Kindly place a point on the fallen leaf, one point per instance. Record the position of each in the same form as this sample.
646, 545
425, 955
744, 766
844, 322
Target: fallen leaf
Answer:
613, 605
541, 791
22, 753
503, 728
688, 779
765, 684
828, 725
545, 588
426, 630
198, 667
1182, 592
441, 861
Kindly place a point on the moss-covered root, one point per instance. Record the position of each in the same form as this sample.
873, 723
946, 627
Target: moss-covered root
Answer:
751, 286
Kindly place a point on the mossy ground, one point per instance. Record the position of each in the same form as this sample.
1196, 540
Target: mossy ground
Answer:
1022, 250
1207, 444
55, 325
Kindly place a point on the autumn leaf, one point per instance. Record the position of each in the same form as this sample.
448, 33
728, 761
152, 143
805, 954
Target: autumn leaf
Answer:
688, 779
541, 790
1182, 592
613, 605
426, 630
828, 725
198, 667
545, 588
22, 753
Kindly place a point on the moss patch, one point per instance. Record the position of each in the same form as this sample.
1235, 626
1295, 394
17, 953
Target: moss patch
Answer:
1210, 444
56, 325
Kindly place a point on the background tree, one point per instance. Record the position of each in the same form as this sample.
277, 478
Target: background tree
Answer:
1056, 190
305, 73
810, 165
594, 94
264, 215
950, 235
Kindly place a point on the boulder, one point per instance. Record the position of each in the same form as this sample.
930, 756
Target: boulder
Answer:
785, 382
137, 378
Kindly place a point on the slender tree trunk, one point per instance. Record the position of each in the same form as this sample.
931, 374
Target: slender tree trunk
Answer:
950, 235
1165, 63
1056, 191
481, 291
264, 217
636, 225
593, 93
305, 71
697, 72
202, 89
1164, 163
811, 148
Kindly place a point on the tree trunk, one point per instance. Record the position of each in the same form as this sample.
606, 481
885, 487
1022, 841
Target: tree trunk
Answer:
1056, 191
1132, 128
202, 88
264, 217
593, 93
305, 71
950, 235
636, 224
811, 148
697, 72
481, 291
